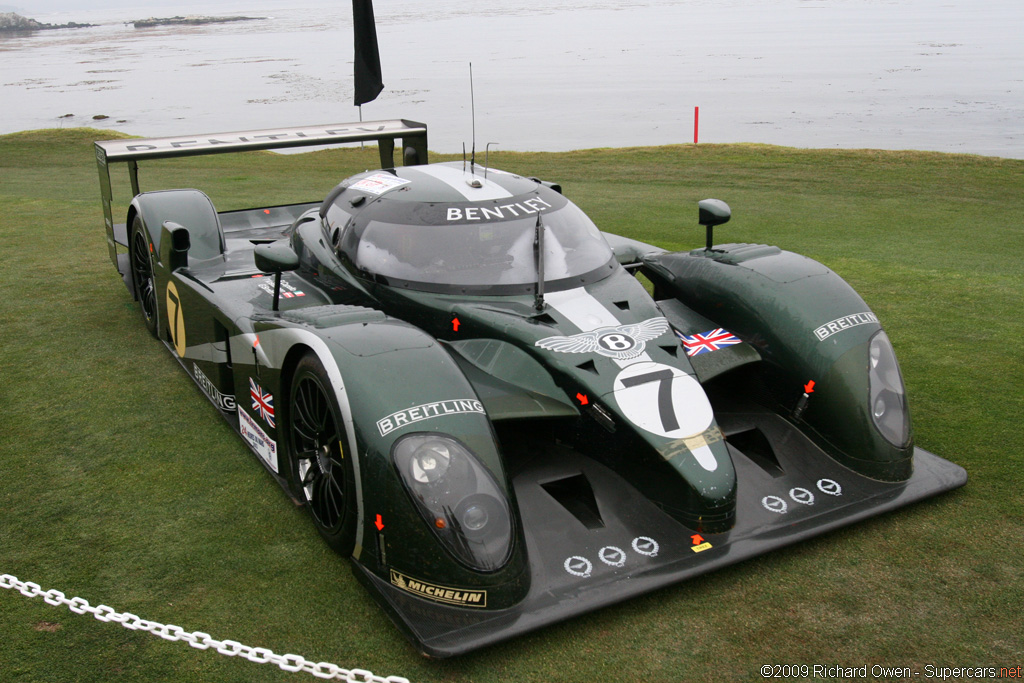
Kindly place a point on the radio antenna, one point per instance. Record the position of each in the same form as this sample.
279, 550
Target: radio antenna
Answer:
472, 108
538, 255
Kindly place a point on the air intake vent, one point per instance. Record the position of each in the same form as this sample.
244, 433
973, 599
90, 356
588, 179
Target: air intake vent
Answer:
753, 444
575, 494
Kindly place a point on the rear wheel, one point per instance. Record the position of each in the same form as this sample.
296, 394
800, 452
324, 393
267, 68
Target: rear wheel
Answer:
141, 258
319, 465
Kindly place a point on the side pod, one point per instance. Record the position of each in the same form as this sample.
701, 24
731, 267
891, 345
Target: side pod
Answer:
825, 355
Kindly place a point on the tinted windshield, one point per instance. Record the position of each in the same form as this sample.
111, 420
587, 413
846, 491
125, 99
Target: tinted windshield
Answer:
484, 254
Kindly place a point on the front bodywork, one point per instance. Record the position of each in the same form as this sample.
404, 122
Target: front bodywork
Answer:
598, 442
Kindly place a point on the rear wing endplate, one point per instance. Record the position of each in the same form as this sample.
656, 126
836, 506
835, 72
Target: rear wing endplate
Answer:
131, 151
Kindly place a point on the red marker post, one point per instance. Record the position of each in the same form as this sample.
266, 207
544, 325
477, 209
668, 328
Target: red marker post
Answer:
696, 121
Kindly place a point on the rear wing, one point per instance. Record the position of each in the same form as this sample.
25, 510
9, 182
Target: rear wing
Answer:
131, 151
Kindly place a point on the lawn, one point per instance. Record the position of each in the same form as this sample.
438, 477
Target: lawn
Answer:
120, 484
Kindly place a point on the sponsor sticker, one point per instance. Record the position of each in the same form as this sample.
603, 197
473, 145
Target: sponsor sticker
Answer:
844, 323
379, 183
432, 591
689, 444
258, 439
288, 290
409, 416
221, 400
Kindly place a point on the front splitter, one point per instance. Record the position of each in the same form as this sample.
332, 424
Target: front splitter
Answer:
638, 548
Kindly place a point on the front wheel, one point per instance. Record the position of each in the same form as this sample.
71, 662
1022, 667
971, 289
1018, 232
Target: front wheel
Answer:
319, 466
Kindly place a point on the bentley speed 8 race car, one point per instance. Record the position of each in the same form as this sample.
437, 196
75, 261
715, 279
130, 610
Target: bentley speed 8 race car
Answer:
461, 378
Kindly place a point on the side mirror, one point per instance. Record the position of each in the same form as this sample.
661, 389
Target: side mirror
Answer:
276, 258
174, 245
712, 212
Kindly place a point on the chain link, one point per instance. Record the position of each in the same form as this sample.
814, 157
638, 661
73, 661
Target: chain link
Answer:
196, 639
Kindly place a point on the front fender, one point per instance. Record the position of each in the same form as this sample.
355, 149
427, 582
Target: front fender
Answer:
809, 325
393, 379
191, 208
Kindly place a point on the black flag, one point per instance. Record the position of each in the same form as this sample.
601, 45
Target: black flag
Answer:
367, 60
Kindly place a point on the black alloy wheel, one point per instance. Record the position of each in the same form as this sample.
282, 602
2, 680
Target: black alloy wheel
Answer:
142, 274
319, 468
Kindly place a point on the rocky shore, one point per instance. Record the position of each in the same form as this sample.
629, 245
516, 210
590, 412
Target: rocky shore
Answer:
190, 20
11, 22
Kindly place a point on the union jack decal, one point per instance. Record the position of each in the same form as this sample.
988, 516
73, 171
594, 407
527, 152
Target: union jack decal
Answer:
262, 402
705, 342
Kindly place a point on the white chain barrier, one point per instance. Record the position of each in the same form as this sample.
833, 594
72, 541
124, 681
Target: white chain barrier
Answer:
197, 639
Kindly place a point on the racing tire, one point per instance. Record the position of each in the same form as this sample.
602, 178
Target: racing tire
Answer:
143, 277
319, 467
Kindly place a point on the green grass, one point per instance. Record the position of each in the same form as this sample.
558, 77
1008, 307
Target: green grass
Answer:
120, 484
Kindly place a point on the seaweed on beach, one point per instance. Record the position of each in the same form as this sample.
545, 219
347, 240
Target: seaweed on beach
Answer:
188, 21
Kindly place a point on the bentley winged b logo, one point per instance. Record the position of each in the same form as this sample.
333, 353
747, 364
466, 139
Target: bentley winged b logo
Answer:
621, 342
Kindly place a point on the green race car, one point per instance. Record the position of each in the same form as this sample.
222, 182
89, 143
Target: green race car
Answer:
461, 378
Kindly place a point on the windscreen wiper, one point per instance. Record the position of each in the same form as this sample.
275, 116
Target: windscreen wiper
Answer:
538, 252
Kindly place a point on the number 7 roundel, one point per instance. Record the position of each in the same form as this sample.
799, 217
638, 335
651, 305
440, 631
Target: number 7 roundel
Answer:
663, 400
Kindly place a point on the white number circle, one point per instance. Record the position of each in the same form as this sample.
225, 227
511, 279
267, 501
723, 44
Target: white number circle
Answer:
662, 400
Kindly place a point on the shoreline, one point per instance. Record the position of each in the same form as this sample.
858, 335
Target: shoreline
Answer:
114, 134
931, 81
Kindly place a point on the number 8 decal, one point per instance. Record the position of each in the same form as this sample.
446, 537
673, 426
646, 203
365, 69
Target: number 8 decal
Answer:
663, 400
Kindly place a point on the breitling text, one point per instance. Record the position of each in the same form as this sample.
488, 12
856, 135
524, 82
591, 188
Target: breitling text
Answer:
426, 411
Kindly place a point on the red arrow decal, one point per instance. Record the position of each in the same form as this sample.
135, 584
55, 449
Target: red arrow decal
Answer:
455, 324
379, 523
809, 387
697, 539
582, 398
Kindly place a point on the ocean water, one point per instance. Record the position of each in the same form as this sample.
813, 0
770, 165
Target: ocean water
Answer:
944, 75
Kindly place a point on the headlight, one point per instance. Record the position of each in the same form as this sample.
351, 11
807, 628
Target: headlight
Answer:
888, 402
457, 497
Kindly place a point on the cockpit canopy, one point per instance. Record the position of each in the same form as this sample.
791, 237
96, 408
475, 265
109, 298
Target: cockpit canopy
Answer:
427, 228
